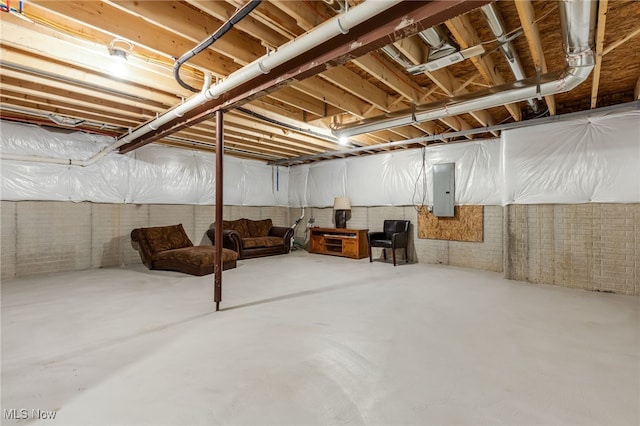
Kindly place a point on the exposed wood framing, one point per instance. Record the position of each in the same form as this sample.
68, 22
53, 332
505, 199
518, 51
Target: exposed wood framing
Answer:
530, 28
603, 5
58, 68
621, 41
466, 36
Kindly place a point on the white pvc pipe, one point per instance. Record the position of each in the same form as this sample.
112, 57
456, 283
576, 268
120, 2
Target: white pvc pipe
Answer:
578, 20
53, 160
338, 25
334, 27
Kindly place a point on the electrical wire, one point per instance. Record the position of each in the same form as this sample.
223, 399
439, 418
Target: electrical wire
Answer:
237, 17
422, 175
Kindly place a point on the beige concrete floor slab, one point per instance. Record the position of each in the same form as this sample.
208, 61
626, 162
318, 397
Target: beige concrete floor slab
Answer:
309, 339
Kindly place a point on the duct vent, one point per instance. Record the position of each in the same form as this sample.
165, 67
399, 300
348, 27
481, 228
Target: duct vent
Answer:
445, 61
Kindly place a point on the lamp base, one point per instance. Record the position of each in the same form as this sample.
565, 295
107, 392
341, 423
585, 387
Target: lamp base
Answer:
341, 218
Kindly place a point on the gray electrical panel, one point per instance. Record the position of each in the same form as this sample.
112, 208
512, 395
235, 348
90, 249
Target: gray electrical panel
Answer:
444, 189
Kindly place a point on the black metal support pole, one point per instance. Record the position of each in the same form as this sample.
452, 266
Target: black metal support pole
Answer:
217, 268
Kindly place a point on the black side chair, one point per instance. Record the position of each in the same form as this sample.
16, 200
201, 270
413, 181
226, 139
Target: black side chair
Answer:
395, 236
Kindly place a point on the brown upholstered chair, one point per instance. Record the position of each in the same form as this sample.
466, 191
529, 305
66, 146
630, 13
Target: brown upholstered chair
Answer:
395, 236
169, 248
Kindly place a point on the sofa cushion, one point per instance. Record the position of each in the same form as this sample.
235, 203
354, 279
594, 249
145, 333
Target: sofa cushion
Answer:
262, 242
161, 238
238, 225
197, 256
259, 228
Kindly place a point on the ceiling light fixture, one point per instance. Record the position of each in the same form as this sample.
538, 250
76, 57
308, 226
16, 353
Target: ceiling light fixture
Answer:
120, 50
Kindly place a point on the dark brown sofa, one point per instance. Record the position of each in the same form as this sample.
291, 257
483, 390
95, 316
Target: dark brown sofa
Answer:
254, 238
169, 248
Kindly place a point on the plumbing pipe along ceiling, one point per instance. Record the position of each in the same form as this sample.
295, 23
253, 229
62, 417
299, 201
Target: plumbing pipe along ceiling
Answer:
292, 76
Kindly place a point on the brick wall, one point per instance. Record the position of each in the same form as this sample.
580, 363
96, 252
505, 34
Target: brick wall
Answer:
52, 236
8, 231
588, 246
42, 237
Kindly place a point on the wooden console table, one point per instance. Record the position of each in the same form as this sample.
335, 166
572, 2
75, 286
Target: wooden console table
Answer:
339, 242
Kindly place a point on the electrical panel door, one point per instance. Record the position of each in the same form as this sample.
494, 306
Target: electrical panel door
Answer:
444, 189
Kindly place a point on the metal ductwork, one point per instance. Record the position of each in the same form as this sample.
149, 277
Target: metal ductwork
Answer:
442, 51
332, 28
492, 15
394, 53
440, 44
578, 20
338, 6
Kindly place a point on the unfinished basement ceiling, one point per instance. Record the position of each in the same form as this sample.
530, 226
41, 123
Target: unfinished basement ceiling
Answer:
57, 71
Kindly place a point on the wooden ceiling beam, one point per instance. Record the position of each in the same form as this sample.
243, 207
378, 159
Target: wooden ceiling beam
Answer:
242, 134
388, 73
117, 23
620, 41
77, 93
371, 34
39, 104
531, 33
255, 142
466, 83
274, 18
414, 49
280, 109
306, 14
295, 98
100, 62
466, 36
63, 94
31, 64
193, 26
358, 86
45, 44
324, 91
241, 119
282, 140
223, 11
603, 6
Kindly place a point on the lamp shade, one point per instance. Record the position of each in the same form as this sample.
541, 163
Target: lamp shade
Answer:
342, 203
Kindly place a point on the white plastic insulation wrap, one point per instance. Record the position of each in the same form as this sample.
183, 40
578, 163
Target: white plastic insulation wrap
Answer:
589, 159
264, 185
384, 179
478, 179
171, 176
151, 174
104, 181
325, 181
396, 178
298, 185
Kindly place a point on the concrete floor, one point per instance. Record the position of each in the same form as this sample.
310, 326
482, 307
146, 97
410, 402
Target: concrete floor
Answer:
309, 339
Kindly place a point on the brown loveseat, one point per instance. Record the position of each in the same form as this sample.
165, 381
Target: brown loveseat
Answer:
169, 248
254, 238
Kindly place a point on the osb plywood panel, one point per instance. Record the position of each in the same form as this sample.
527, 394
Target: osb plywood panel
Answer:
465, 225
